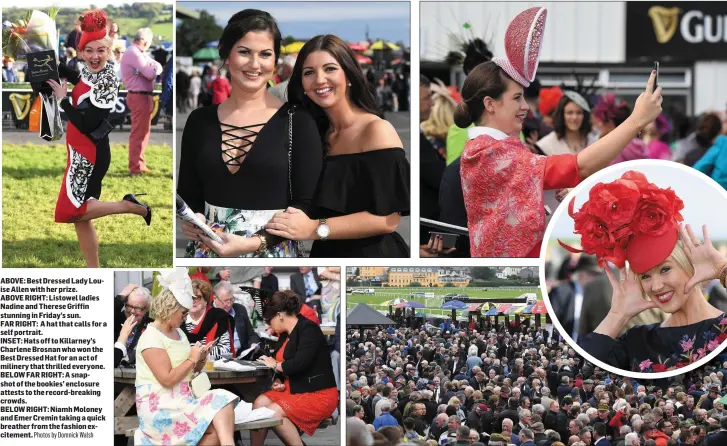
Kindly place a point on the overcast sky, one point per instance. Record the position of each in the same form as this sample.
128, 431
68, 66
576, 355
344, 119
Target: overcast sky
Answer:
705, 202
347, 20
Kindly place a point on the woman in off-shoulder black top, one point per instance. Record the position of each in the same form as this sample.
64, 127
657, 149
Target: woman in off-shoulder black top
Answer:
363, 189
376, 182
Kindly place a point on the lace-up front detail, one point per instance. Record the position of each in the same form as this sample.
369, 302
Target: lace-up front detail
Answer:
236, 143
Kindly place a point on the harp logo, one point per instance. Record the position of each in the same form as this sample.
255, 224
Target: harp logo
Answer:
665, 21
21, 104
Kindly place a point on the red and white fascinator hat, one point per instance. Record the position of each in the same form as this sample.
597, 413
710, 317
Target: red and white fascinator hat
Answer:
523, 42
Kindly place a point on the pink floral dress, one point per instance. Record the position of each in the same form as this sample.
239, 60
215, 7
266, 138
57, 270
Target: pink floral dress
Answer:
172, 416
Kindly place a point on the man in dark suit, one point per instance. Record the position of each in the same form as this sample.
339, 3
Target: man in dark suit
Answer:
599, 435
269, 280
132, 301
452, 209
308, 287
589, 289
244, 333
718, 438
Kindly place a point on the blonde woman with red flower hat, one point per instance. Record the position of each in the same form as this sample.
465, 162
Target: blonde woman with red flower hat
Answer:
92, 99
632, 220
502, 181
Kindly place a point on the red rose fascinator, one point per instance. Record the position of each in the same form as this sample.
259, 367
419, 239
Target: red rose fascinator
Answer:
549, 98
523, 42
93, 27
630, 220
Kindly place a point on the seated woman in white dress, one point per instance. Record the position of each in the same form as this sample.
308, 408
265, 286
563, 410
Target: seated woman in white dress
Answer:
169, 413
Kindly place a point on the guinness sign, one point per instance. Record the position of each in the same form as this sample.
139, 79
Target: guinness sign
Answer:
676, 31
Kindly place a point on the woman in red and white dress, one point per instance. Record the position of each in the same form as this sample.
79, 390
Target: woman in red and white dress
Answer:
502, 180
93, 97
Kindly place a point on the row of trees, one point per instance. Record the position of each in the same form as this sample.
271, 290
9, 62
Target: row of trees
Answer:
193, 34
149, 13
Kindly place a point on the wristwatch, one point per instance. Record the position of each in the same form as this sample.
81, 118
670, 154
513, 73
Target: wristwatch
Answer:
323, 230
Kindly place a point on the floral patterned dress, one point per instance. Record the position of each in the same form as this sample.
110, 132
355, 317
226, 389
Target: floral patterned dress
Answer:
244, 223
172, 416
651, 349
92, 99
503, 184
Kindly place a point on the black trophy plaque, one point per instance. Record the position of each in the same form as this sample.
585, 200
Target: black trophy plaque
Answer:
42, 66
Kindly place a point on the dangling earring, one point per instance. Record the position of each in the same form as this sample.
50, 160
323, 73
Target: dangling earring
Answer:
281, 317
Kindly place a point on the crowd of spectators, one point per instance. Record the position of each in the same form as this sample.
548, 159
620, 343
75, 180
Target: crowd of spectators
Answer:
516, 384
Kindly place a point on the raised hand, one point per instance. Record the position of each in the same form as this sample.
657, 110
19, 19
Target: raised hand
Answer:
128, 289
195, 353
707, 261
60, 90
627, 300
648, 104
126, 329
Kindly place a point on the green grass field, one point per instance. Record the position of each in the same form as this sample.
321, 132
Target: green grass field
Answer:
164, 29
32, 176
162, 26
433, 304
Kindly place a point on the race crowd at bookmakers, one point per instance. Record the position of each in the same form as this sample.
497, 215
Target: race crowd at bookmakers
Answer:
516, 384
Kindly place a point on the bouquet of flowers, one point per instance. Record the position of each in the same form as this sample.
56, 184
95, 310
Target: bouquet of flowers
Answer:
34, 34
35, 40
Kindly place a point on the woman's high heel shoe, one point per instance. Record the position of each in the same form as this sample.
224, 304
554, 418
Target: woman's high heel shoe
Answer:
132, 199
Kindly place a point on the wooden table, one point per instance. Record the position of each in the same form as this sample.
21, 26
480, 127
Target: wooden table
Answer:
248, 385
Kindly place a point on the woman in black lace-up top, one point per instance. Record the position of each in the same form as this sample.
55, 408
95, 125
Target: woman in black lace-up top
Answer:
363, 189
235, 166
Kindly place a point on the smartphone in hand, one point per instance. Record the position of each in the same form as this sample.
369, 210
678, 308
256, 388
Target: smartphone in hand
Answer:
448, 240
656, 80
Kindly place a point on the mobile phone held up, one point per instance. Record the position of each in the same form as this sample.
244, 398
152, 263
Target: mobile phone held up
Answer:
448, 240
656, 80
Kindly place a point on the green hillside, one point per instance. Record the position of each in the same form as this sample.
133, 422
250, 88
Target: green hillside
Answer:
129, 17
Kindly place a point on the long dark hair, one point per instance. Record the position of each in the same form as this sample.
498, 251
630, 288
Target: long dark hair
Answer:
358, 91
243, 22
559, 119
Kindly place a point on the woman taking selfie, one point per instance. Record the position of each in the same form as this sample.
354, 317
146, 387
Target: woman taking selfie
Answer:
252, 155
92, 99
502, 181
